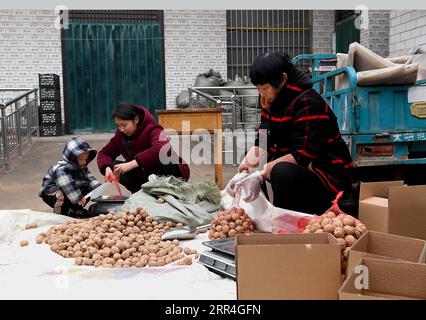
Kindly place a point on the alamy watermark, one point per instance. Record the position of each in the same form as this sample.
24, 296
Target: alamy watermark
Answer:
203, 147
361, 281
362, 20
62, 17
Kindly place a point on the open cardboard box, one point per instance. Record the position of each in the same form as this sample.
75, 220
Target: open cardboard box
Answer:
287, 266
386, 246
391, 207
380, 279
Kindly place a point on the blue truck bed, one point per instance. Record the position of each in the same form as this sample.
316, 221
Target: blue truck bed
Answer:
378, 123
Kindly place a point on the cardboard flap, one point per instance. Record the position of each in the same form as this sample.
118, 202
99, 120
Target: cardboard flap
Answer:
361, 244
278, 239
393, 246
374, 216
377, 189
397, 278
386, 246
376, 201
387, 279
407, 211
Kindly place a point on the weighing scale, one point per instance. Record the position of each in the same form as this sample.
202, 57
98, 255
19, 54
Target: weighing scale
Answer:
220, 258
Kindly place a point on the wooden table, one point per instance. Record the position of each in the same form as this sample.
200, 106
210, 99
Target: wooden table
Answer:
186, 121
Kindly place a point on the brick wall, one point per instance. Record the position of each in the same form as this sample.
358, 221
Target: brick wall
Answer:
194, 41
322, 31
29, 44
376, 37
407, 31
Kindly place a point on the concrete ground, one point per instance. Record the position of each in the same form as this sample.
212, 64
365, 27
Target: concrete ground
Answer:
19, 188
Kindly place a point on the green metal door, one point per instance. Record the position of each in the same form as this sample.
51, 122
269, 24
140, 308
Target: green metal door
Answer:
109, 63
346, 33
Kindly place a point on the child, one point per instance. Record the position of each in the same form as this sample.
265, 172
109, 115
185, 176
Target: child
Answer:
68, 181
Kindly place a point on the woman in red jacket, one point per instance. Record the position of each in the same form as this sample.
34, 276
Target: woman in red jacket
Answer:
141, 141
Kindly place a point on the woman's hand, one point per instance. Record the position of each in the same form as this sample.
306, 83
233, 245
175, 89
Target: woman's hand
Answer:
267, 168
230, 187
110, 176
253, 158
244, 167
264, 104
121, 168
252, 185
82, 202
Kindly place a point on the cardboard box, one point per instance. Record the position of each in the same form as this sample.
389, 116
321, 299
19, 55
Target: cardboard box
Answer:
287, 266
386, 246
385, 279
393, 208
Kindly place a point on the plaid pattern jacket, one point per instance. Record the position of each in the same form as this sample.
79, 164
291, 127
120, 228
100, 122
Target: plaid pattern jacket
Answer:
68, 176
300, 122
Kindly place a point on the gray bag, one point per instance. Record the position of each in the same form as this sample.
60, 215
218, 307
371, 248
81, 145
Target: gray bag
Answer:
190, 203
182, 100
210, 78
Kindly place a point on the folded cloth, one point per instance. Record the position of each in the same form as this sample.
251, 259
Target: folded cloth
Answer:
187, 202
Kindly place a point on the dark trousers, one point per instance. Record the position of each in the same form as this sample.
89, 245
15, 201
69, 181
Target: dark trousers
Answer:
67, 208
299, 189
133, 179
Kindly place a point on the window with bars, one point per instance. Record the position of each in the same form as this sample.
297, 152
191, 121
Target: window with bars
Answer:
251, 33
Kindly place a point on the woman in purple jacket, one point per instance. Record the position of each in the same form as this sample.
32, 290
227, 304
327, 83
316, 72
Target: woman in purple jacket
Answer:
144, 146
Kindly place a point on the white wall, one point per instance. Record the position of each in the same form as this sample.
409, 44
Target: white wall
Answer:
407, 31
376, 37
29, 44
322, 31
194, 41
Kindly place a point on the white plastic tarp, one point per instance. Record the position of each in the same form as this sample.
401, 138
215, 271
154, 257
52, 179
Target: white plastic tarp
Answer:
35, 272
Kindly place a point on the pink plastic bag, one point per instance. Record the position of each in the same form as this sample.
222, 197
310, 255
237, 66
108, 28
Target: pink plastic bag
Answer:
288, 221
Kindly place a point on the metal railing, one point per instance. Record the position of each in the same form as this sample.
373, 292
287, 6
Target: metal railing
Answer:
238, 108
239, 104
18, 122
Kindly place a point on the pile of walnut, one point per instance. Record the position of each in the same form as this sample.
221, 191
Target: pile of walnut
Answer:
344, 227
229, 223
125, 240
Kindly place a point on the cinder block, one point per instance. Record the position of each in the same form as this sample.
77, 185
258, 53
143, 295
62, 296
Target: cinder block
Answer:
406, 17
421, 40
410, 43
421, 22
400, 45
395, 21
18, 12
415, 32
416, 14
405, 35
411, 25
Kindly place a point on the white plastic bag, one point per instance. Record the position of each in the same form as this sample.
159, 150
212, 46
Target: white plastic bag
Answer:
259, 210
266, 216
